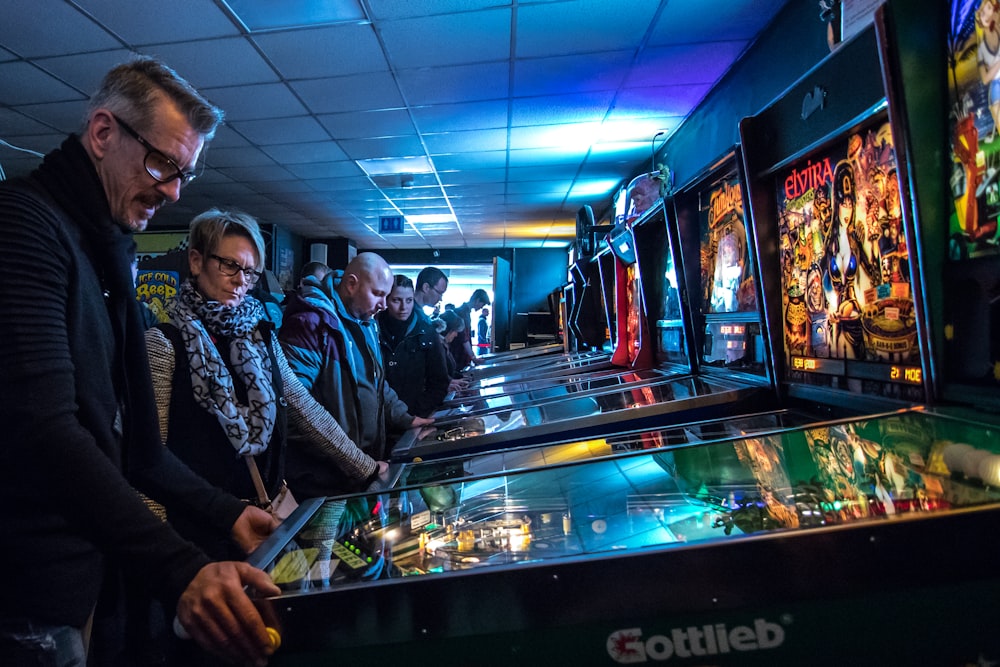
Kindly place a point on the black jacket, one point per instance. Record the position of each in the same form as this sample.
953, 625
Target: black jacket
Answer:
415, 363
76, 407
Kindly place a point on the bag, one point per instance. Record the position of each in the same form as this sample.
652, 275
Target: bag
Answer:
282, 505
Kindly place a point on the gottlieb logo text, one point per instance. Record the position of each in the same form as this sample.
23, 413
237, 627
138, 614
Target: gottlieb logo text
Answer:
629, 646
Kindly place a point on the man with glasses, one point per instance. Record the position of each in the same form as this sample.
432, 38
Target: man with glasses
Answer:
429, 289
80, 435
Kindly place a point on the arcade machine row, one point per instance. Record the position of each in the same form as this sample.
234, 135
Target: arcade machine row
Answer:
592, 314
584, 298
710, 297
654, 386
749, 551
841, 275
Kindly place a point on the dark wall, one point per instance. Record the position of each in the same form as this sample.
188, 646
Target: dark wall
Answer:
536, 272
793, 43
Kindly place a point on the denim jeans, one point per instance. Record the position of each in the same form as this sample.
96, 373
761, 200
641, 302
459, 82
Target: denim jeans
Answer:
26, 644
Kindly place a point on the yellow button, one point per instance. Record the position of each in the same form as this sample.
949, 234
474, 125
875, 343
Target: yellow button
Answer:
275, 637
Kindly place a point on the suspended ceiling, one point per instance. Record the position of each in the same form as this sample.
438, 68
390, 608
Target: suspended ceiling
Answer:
483, 123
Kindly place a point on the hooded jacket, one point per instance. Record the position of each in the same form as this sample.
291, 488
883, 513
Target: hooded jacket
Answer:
338, 359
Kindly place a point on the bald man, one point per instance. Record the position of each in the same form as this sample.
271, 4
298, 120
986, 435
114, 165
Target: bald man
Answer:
331, 340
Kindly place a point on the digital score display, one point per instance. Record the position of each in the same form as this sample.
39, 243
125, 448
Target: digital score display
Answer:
732, 329
908, 374
858, 369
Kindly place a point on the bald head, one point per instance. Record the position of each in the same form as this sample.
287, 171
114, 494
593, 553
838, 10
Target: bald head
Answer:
366, 283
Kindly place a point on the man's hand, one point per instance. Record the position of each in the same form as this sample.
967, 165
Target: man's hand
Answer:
218, 614
252, 527
421, 421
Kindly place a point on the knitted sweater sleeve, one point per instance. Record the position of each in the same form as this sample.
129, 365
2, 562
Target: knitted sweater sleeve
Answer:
161, 365
319, 428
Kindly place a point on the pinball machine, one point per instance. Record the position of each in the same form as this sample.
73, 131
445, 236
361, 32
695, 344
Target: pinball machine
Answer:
833, 222
763, 549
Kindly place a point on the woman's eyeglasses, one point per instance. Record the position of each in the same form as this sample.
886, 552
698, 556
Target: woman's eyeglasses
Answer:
230, 268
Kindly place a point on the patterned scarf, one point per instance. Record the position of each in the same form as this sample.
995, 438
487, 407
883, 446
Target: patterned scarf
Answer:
248, 427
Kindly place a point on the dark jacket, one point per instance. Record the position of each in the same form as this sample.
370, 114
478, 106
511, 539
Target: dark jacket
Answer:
77, 408
415, 363
332, 354
196, 436
461, 346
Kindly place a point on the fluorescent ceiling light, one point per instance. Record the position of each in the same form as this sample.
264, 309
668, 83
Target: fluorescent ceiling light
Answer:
396, 165
430, 218
594, 187
262, 15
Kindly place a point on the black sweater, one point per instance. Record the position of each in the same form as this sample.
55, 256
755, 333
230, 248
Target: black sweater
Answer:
77, 419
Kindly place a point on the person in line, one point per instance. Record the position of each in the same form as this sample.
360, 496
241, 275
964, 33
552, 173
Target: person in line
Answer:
415, 364
331, 340
461, 346
429, 289
449, 326
223, 387
317, 270
483, 332
80, 437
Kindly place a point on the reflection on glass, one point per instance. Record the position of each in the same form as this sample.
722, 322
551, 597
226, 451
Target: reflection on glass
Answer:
897, 465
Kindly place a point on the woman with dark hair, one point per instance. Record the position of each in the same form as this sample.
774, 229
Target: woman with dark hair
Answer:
449, 325
413, 352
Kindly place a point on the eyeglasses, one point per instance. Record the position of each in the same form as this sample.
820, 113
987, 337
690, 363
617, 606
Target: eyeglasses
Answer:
157, 164
230, 268
440, 292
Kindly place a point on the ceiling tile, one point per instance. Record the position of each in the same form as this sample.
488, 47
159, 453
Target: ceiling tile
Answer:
23, 83
744, 20
550, 109
608, 26
461, 83
466, 142
394, 9
252, 102
457, 117
300, 129
571, 74
324, 52
378, 147
64, 116
311, 152
467, 37
359, 92
84, 71
687, 64
358, 124
16, 124
243, 156
215, 63
51, 28
153, 22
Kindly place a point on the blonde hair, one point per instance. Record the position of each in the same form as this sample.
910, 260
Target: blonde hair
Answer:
208, 229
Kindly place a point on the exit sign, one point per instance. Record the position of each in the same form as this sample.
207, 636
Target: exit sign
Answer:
390, 224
